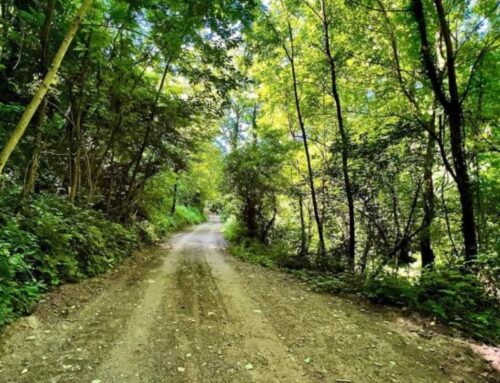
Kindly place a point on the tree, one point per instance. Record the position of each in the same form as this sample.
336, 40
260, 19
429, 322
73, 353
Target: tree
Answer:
32, 107
452, 105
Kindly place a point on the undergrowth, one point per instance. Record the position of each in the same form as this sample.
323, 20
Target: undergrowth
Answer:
461, 300
54, 242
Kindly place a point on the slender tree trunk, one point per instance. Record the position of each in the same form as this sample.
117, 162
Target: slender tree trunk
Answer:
76, 157
32, 107
32, 169
100, 164
174, 196
453, 109
250, 212
319, 224
425, 236
303, 234
344, 138
111, 187
145, 140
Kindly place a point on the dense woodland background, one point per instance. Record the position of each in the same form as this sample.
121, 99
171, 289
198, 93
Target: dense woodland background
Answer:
354, 142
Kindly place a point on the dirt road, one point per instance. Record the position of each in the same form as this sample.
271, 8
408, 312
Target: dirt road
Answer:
188, 312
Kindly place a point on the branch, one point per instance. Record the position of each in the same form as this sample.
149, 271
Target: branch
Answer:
478, 60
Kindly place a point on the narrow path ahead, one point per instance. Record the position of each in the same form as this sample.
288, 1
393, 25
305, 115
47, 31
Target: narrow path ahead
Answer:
188, 312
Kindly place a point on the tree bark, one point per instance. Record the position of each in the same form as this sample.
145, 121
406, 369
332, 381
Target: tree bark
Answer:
145, 140
453, 108
303, 234
300, 120
344, 138
32, 107
174, 196
75, 155
32, 169
426, 251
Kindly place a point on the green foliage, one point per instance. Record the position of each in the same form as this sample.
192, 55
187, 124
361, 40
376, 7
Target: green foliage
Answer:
18, 288
234, 231
488, 266
255, 252
390, 289
461, 300
450, 296
183, 216
54, 242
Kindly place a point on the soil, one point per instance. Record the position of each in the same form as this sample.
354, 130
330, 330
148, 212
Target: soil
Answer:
189, 312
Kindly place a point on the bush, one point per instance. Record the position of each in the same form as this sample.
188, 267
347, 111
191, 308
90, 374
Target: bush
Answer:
18, 288
389, 289
255, 252
460, 300
53, 242
183, 216
234, 231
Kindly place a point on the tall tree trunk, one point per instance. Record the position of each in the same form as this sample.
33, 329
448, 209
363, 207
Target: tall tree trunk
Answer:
100, 164
32, 107
303, 234
250, 212
344, 138
425, 236
453, 108
174, 196
145, 140
76, 156
290, 55
32, 169
319, 223
426, 251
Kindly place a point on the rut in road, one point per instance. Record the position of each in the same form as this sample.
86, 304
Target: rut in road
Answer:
188, 312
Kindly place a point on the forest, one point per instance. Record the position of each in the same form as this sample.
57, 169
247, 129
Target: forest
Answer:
352, 143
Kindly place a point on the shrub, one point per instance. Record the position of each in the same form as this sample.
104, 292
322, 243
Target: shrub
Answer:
461, 300
326, 282
53, 242
183, 216
458, 299
18, 288
389, 289
234, 231
254, 252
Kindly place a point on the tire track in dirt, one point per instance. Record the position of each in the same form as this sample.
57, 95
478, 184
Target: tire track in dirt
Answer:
60, 348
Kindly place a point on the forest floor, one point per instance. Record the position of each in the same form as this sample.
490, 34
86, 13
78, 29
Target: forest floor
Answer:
188, 312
